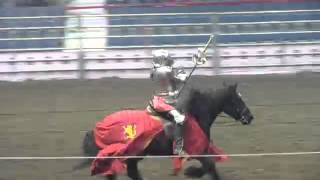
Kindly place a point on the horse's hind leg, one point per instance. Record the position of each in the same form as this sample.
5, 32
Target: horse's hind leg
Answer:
132, 169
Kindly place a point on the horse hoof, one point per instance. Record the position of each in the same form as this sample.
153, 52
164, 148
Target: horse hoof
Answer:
194, 172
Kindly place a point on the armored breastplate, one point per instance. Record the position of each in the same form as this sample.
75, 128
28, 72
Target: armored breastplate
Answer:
169, 99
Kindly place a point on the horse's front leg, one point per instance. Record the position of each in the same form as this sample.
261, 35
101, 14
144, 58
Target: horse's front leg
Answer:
132, 169
208, 166
111, 177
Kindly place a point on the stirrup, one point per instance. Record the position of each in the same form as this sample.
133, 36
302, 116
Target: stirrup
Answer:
178, 152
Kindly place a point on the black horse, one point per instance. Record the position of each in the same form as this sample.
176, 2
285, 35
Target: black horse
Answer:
205, 107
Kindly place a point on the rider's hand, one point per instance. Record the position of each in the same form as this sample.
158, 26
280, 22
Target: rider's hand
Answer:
200, 57
173, 93
182, 76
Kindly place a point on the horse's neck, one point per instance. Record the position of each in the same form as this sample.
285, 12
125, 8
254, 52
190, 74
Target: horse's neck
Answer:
220, 96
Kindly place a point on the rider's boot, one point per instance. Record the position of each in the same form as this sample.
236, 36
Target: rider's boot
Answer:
178, 136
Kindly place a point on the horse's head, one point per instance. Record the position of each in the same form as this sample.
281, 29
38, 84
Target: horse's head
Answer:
234, 105
205, 106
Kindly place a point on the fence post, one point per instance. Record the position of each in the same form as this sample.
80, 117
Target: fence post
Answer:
215, 56
81, 66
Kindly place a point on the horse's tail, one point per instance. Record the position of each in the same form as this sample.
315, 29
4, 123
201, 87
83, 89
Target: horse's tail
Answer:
89, 149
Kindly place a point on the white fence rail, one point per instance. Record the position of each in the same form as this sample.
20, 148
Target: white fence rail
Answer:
134, 61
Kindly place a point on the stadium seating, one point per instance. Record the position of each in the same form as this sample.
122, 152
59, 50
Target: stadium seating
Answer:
240, 28
36, 33
228, 24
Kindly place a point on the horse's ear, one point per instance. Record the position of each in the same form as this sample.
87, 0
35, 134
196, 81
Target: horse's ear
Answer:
224, 84
233, 87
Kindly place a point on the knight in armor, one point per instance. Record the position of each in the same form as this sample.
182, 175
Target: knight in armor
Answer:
170, 80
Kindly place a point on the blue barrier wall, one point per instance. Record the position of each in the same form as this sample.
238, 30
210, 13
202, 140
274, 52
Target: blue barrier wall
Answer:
59, 10
31, 11
206, 19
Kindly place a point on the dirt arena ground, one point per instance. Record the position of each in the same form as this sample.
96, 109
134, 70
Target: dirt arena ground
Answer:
49, 118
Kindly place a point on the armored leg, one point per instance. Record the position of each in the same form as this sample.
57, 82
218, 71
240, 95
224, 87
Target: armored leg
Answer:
178, 136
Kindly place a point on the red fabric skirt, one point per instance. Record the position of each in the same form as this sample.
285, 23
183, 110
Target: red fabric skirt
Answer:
129, 132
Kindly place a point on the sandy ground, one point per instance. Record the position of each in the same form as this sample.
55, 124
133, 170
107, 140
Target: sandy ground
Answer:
49, 118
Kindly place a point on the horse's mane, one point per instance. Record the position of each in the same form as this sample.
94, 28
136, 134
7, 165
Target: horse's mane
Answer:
204, 105
198, 103
197, 97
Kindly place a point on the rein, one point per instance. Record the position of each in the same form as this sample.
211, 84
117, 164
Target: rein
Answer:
224, 116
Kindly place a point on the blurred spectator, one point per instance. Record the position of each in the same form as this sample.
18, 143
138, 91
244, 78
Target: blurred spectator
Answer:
133, 1
38, 2
157, 1
32, 3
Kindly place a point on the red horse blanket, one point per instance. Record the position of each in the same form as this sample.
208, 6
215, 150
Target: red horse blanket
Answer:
129, 132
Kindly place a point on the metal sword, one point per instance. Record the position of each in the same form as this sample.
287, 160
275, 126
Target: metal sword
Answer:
195, 66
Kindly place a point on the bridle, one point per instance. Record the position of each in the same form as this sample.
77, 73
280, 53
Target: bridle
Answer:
242, 114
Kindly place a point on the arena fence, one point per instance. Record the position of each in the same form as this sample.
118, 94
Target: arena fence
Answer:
84, 52
158, 157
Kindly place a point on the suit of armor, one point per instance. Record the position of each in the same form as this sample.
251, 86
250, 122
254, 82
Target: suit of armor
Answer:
169, 81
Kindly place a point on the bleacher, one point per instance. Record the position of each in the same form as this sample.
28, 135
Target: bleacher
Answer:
20, 24
223, 28
228, 28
